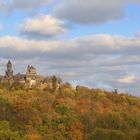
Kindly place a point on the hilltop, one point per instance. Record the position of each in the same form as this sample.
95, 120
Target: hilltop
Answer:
68, 114
28, 80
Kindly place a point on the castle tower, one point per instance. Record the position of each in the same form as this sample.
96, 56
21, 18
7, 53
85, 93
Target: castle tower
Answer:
31, 76
9, 72
31, 72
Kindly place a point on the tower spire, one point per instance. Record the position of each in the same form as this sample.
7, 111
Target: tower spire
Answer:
9, 72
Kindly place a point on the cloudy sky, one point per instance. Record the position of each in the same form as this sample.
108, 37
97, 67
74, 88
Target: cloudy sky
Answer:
94, 43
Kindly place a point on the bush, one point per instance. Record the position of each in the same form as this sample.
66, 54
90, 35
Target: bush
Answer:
6, 133
106, 134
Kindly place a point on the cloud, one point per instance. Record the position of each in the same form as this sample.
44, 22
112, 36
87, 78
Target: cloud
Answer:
43, 26
127, 79
137, 34
118, 47
24, 45
101, 60
91, 11
1, 27
24, 5
135, 1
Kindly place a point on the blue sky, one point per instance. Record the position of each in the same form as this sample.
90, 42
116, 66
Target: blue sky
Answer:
126, 26
85, 42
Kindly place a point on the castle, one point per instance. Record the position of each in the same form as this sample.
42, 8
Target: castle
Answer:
28, 80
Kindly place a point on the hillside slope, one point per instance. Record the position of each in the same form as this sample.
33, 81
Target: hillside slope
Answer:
68, 114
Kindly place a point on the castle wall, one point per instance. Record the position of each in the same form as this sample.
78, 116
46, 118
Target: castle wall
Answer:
29, 80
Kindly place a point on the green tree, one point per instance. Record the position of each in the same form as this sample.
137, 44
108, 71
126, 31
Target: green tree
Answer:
6, 133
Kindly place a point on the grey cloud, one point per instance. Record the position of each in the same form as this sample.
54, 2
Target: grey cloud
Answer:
91, 11
25, 5
98, 60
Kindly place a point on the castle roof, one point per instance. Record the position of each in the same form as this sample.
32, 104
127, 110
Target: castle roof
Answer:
19, 77
31, 67
9, 63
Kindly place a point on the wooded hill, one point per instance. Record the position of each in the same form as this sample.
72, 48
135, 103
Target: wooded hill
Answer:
68, 114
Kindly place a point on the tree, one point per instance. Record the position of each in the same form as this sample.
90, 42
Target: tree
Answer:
106, 134
6, 133
54, 83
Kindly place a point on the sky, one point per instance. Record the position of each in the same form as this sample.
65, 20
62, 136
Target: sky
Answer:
91, 43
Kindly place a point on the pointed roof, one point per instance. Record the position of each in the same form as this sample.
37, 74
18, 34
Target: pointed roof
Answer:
32, 67
9, 63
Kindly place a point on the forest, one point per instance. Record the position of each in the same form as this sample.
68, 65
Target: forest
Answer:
68, 114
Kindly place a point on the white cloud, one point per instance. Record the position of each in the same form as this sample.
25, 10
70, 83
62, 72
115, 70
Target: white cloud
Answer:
43, 26
94, 44
24, 45
127, 79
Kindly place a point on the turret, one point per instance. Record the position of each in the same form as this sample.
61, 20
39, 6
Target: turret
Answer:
9, 72
31, 76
